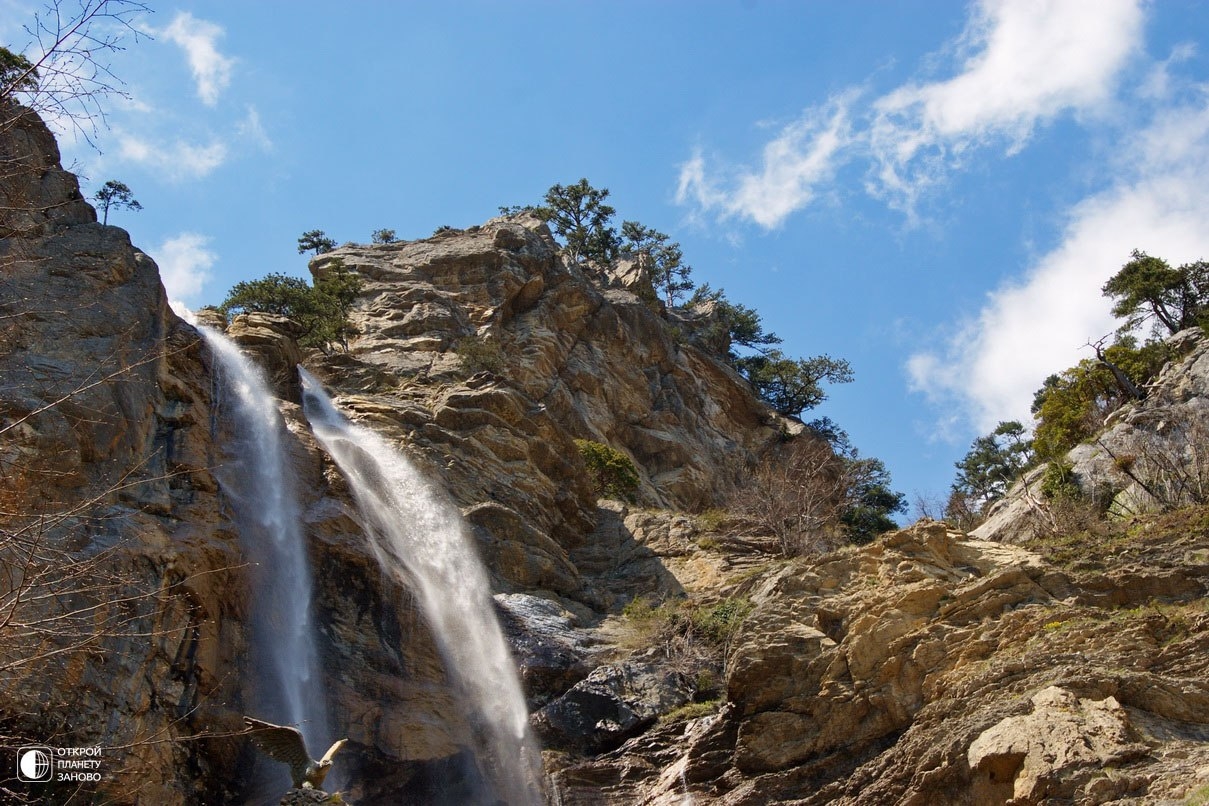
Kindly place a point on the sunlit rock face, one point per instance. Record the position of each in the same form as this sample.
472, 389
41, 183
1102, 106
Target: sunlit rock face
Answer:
929, 667
573, 358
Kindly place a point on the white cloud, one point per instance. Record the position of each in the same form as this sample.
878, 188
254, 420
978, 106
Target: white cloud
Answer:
1030, 60
803, 155
1031, 328
211, 70
185, 264
178, 160
1023, 63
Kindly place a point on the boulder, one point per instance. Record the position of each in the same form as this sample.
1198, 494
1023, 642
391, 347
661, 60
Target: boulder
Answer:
613, 703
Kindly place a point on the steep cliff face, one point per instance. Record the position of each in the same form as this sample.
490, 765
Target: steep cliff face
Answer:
926, 667
484, 352
124, 598
596, 361
105, 407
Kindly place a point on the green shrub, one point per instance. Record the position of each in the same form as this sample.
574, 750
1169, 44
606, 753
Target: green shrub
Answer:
321, 311
719, 622
712, 520
713, 624
1059, 481
611, 472
479, 355
692, 710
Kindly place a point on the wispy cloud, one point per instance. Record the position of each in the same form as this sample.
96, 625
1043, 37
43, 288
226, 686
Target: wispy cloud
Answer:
1040, 324
178, 160
185, 264
803, 155
198, 38
1029, 61
251, 130
1020, 63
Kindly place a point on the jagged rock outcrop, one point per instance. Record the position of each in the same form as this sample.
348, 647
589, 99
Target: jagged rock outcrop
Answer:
598, 364
108, 394
272, 341
613, 703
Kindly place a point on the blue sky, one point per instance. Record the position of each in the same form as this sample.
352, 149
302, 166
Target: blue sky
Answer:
934, 191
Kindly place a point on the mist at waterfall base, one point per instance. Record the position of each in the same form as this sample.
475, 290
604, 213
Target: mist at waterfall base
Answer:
420, 538
283, 672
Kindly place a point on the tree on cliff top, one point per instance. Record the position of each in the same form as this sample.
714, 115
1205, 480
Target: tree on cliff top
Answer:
792, 385
316, 241
577, 213
115, 195
1147, 287
991, 465
17, 74
661, 257
321, 311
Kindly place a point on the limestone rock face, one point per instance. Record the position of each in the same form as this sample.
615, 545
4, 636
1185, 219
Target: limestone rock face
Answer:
927, 667
551, 646
111, 420
562, 354
105, 454
613, 703
271, 341
38, 196
1050, 752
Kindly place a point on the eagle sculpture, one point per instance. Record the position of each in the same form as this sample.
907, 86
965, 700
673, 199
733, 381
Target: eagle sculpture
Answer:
285, 744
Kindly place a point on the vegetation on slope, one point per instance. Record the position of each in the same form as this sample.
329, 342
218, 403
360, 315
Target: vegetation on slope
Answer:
1072, 406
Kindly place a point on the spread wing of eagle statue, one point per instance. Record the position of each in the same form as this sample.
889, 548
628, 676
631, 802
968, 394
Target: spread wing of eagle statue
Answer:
285, 744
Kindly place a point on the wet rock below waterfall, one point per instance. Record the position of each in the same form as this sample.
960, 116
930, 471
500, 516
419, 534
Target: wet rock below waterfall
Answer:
550, 648
612, 704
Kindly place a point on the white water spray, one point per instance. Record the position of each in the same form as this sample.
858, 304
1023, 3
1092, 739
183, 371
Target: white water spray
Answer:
421, 539
259, 484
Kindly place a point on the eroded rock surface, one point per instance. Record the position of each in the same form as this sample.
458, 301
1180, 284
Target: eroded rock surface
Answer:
929, 667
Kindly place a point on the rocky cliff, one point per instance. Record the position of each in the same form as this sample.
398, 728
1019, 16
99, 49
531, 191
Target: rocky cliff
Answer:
666, 653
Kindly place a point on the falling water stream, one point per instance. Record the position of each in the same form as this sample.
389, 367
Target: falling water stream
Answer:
420, 538
258, 481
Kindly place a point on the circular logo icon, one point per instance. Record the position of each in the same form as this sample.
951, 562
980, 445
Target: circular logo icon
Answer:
34, 764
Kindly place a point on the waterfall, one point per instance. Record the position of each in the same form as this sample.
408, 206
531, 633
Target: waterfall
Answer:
420, 537
257, 479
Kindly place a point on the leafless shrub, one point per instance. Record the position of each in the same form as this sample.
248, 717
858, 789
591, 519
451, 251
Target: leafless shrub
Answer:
796, 494
1170, 463
69, 77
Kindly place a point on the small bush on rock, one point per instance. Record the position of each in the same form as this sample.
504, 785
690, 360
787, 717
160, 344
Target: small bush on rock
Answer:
612, 473
479, 355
